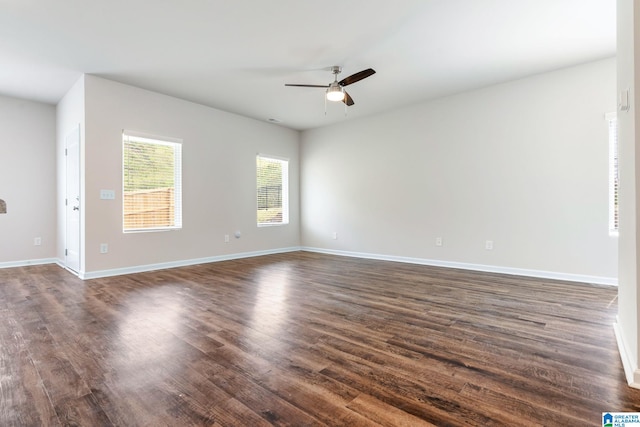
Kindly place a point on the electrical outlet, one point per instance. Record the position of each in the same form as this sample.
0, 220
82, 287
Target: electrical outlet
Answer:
104, 248
488, 245
438, 241
37, 241
226, 238
334, 235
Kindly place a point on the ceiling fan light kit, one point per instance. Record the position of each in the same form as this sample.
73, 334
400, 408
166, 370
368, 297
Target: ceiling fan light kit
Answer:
335, 90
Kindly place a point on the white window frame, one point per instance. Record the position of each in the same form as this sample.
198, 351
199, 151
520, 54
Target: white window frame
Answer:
133, 136
614, 174
285, 190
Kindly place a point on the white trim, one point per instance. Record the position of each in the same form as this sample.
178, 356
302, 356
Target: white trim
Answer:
29, 262
148, 137
613, 173
631, 371
64, 267
183, 263
271, 156
611, 281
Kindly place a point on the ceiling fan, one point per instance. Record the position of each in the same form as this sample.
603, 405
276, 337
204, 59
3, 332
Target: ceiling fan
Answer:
335, 90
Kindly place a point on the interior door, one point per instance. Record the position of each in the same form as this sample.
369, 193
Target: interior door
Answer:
72, 202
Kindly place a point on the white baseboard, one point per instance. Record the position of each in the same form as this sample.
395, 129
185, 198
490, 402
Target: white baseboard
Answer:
421, 261
631, 371
612, 281
182, 263
28, 262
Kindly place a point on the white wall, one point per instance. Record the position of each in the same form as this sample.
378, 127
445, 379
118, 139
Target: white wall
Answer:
628, 304
523, 164
27, 181
69, 114
219, 187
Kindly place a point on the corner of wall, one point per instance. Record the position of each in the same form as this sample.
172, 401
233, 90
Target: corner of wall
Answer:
69, 113
631, 371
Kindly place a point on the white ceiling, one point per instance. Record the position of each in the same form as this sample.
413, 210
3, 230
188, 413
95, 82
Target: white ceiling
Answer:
236, 55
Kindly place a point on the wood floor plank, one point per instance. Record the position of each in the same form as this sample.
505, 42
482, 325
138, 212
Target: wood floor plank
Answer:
23, 397
304, 339
83, 410
383, 414
260, 400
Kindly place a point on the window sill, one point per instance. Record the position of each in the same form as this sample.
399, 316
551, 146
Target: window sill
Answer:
278, 224
150, 230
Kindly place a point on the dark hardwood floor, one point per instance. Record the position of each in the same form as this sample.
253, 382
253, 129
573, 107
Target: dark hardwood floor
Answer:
305, 339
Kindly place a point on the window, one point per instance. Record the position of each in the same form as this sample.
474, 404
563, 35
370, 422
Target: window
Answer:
614, 176
152, 183
272, 190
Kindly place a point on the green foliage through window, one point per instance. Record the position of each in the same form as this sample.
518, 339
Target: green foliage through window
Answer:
148, 166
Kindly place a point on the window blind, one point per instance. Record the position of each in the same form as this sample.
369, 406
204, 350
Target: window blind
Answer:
272, 189
152, 183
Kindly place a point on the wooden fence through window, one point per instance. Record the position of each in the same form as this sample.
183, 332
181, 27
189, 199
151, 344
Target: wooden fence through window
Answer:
149, 208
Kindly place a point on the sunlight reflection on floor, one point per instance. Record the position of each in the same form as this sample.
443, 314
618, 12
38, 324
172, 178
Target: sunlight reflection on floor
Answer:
146, 335
270, 309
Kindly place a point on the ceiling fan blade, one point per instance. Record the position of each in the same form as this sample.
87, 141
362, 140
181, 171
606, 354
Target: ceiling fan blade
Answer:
347, 99
288, 84
357, 77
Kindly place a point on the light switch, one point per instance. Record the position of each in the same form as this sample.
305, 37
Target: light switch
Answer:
107, 195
